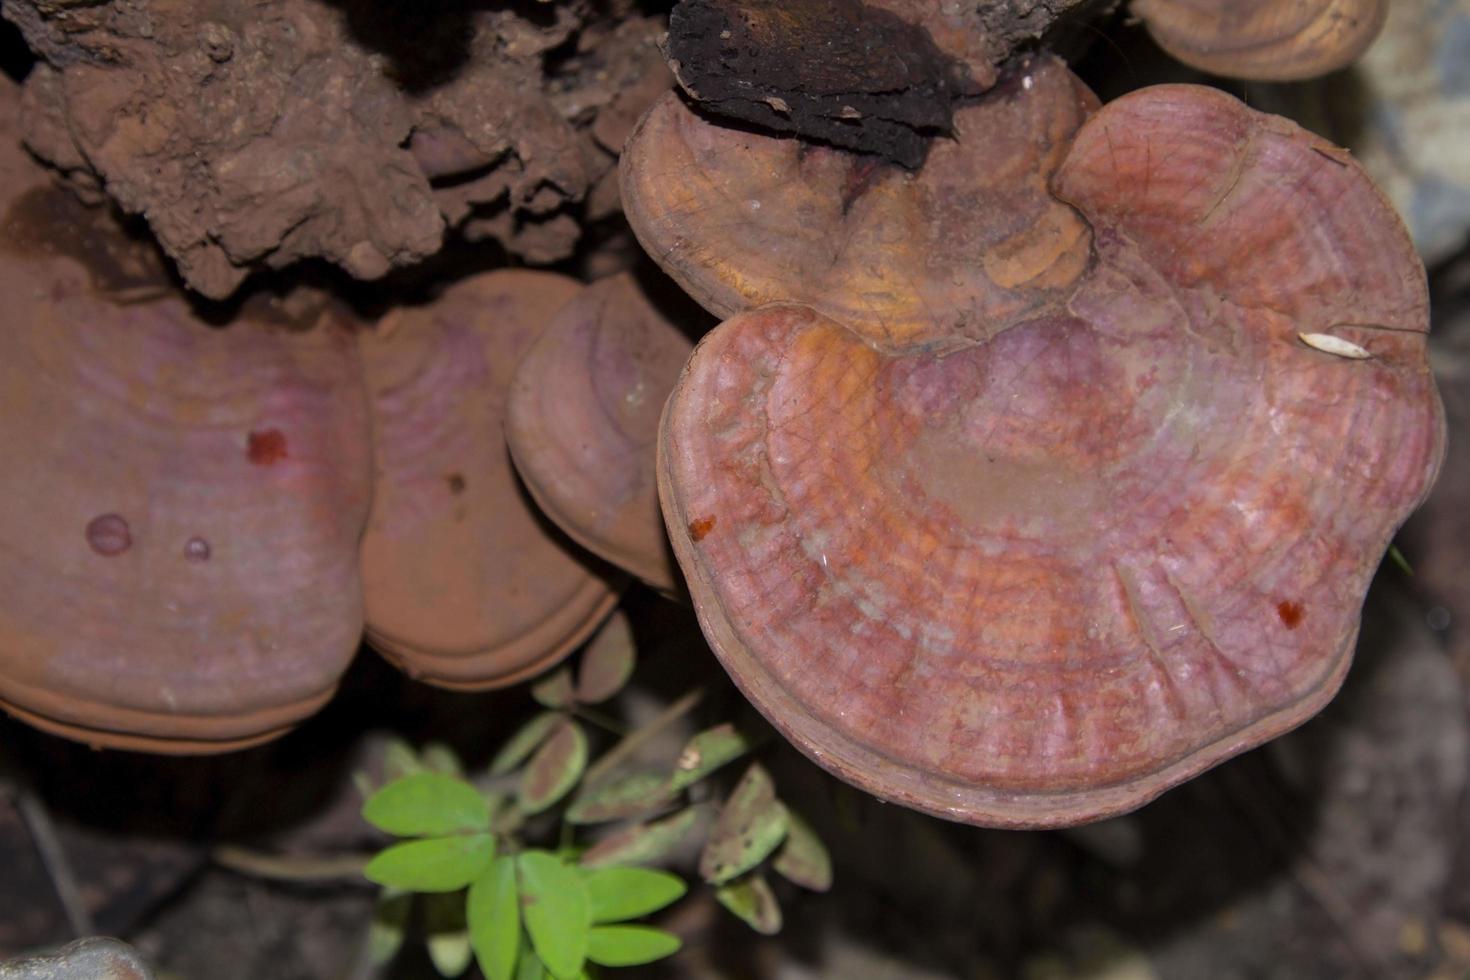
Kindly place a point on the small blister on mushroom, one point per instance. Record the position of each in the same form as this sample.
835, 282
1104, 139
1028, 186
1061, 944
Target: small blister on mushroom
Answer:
1264, 40
165, 585
582, 423
466, 583
1066, 540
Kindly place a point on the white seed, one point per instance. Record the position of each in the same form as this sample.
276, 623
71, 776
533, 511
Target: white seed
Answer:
1328, 344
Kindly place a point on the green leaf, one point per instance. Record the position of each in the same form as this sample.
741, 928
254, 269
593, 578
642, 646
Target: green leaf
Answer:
508, 821
627, 893
643, 843
493, 910
708, 751
749, 828
1398, 559
554, 769
399, 759
557, 912
438, 864
608, 661
427, 804
390, 920
524, 742
752, 900
438, 757
555, 689
495, 803
448, 939
450, 952
529, 966
803, 859
630, 945
616, 799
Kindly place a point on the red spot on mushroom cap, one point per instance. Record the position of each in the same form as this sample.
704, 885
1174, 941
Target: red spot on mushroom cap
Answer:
699, 527
1290, 613
266, 448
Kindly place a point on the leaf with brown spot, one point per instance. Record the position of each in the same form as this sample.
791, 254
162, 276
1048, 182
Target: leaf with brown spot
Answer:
555, 689
751, 826
554, 769
803, 859
708, 751
608, 661
752, 900
524, 742
627, 796
643, 843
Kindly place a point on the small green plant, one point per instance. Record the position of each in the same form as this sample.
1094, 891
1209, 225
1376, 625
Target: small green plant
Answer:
488, 894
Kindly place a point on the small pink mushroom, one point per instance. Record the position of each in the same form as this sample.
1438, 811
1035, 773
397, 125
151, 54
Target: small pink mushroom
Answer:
582, 423
466, 585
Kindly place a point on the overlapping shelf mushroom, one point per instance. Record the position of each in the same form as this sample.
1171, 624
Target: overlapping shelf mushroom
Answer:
201, 521
438, 546
1264, 40
1024, 487
582, 423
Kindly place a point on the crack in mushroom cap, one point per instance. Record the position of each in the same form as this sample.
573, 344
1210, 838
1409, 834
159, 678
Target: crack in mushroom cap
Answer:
1264, 40
162, 585
1040, 576
466, 584
582, 423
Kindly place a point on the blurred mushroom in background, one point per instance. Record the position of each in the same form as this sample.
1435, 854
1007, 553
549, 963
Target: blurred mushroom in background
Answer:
1266, 40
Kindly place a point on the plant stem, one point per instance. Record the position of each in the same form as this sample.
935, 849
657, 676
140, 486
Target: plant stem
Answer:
53, 857
285, 867
606, 722
637, 738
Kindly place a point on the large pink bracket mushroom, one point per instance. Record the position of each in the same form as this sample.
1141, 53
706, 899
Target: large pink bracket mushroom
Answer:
1057, 471
178, 539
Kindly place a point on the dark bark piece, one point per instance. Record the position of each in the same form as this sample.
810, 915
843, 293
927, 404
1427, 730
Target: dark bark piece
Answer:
838, 71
